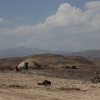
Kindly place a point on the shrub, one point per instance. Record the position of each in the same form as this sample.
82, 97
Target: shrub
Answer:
68, 67
74, 67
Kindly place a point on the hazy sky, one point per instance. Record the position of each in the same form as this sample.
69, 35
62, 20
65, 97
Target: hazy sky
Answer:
70, 25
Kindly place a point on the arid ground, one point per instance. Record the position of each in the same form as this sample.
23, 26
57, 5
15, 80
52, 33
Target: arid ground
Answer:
23, 86
67, 83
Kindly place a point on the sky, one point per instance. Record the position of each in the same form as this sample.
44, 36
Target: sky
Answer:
63, 25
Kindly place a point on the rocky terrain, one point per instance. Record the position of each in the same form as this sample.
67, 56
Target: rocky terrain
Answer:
48, 61
70, 78
23, 86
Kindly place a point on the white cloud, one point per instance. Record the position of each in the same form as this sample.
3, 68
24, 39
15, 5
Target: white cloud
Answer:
20, 44
19, 30
65, 16
94, 5
69, 28
20, 18
3, 21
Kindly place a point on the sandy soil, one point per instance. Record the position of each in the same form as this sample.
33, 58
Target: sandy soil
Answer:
23, 86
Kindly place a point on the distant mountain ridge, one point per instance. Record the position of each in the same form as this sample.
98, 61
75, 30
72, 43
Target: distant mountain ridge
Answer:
24, 51
20, 51
86, 54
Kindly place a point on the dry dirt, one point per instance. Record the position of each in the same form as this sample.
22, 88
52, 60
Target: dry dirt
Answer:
23, 86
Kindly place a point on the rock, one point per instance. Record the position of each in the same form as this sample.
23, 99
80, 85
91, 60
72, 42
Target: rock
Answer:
45, 82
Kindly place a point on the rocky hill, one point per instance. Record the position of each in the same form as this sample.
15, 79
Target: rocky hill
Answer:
48, 61
87, 54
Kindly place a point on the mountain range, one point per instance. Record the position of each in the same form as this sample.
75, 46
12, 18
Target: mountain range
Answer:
86, 53
24, 51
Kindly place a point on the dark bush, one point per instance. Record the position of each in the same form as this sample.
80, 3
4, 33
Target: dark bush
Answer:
68, 67
74, 67
45, 82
